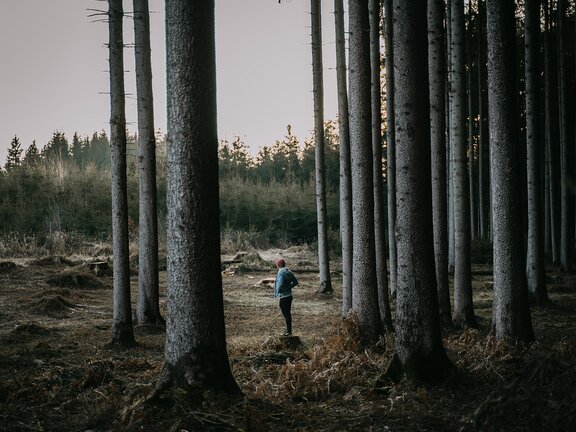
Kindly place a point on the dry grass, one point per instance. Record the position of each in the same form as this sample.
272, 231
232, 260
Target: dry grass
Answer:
55, 373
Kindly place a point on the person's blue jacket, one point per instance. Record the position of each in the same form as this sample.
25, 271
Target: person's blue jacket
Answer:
285, 281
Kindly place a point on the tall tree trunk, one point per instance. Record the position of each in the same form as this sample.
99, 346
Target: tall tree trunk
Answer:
148, 305
511, 311
471, 150
364, 294
548, 138
565, 221
195, 353
449, 146
535, 254
122, 330
419, 353
345, 179
379, 216
318, 90
390, 143
463, 306
482, 157
437, 74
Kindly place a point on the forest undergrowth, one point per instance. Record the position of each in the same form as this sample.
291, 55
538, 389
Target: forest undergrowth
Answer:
57, 375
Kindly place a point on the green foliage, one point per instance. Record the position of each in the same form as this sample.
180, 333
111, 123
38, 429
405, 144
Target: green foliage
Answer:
266, 200
14, 153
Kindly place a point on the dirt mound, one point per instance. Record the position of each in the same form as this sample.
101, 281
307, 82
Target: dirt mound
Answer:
73, 279
30, 329
51, 261
244, 262
7, 267
52, 305
64, 292
98, 268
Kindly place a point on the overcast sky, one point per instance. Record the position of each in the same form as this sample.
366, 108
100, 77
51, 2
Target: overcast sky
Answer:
54, 69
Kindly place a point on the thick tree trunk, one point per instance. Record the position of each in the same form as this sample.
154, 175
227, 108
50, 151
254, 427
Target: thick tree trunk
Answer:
195, 352
379, 216
437, 74
511, 311
345, 179
318, 90
364, 282
148, 306
122, 330
390, 143
535, 253
565, 221
419, 353
463, 306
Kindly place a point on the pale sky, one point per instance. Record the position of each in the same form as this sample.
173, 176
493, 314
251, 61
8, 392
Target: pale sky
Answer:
54, 69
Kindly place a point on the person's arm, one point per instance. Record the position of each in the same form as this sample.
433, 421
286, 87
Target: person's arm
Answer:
278, 284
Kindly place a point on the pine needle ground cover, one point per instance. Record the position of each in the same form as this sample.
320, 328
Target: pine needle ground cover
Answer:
56, 375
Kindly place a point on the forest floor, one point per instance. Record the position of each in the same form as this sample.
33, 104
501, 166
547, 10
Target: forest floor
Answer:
56, 373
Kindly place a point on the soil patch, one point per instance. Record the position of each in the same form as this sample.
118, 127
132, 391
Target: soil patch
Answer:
74, 279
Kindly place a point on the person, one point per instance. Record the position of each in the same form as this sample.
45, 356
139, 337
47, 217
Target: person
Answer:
285, 281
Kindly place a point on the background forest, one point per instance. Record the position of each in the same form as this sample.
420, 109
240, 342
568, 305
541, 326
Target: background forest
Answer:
65, 187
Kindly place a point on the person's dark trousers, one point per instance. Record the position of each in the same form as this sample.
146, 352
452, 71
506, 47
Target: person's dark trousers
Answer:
285, 307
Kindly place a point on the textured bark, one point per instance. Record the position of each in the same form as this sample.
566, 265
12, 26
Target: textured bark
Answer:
437, 74
551, 207
471, 152
318, 91
148, 306
419, 353
511, 312
390, 144
535, 254
482, 158
463, 306
345, 179
565, 221
195, 352
122, 330
449, 151
364, 283
379, 216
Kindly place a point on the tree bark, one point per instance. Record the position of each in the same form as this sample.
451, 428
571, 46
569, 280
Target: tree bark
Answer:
345, 179
195, 352
511, 312
148, 306
471, 150
552, 203
379, 216
449, 150
390, 144
122, 329
463, 305
482, 192
437, 74
565, 221
318, 91
535, 255
364, 282
419, 353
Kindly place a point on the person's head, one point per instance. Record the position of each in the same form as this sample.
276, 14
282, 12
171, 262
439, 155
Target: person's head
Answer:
281, 263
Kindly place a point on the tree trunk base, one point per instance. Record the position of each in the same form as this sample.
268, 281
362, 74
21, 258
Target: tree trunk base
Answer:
195, 375
326, 288
419, 369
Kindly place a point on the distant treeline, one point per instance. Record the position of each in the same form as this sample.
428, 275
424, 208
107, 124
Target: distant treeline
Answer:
66, 187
